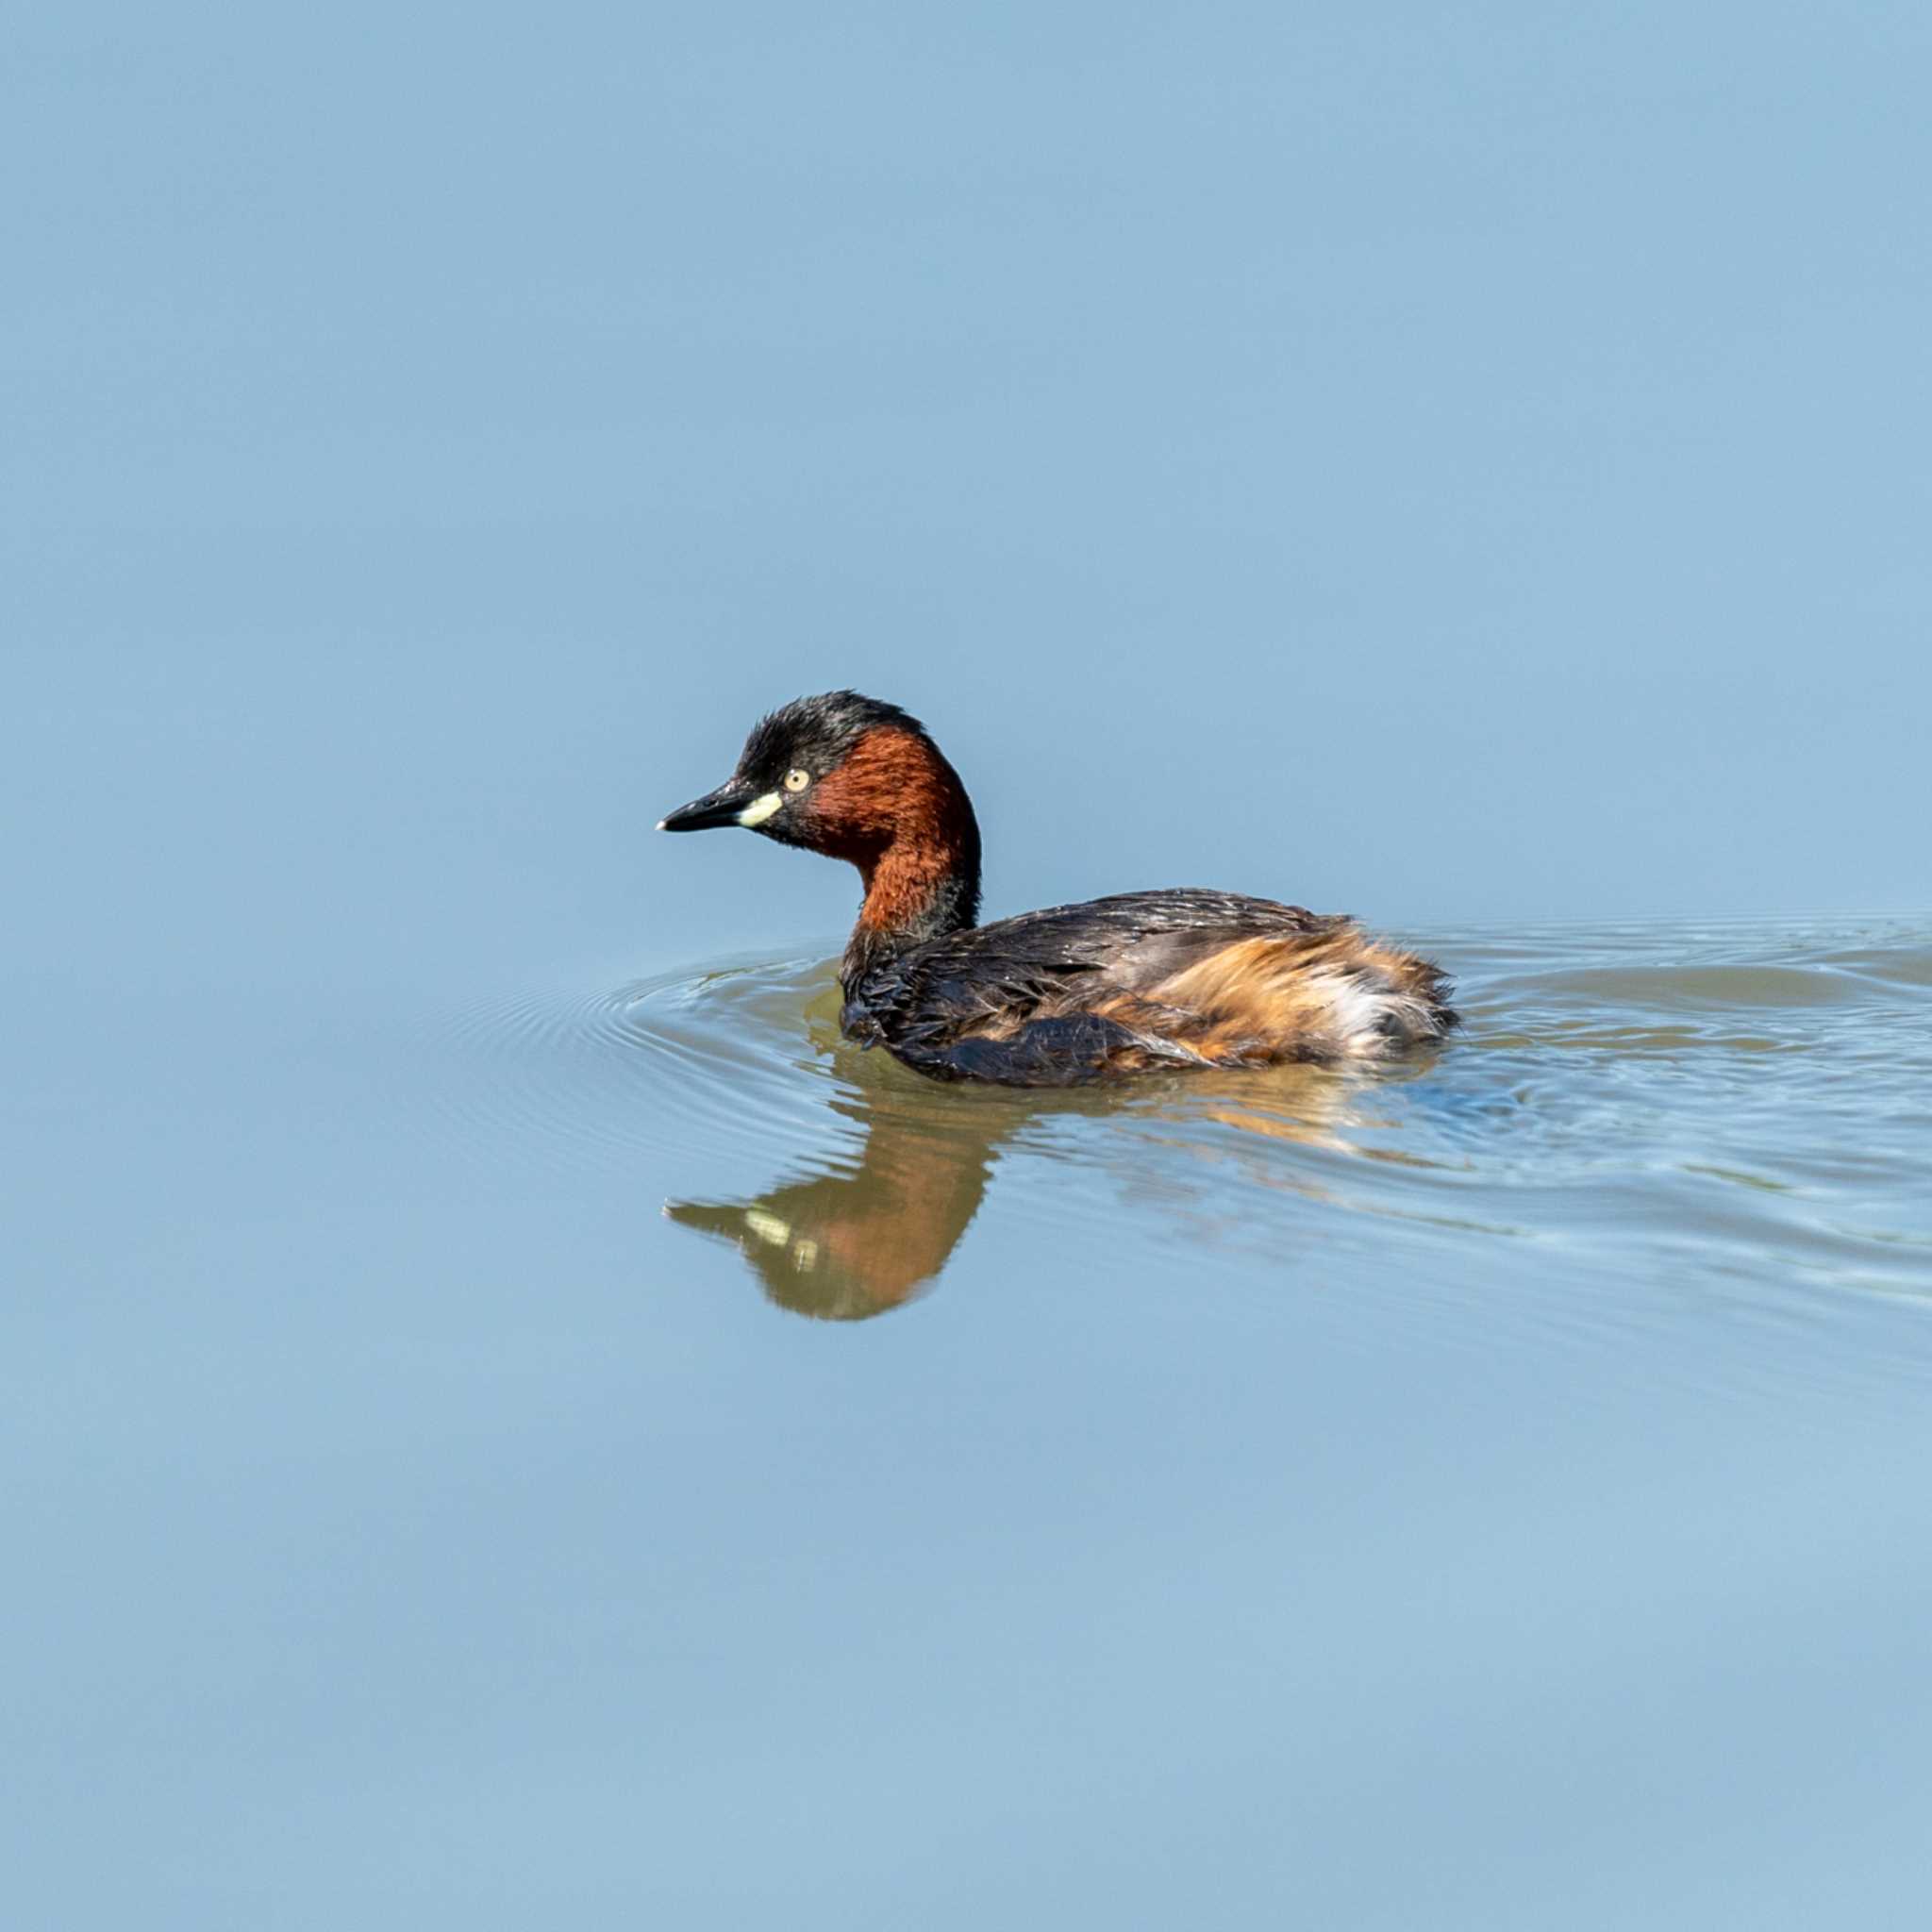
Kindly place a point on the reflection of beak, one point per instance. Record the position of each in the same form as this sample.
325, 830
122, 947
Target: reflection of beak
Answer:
748, 1226
727, 806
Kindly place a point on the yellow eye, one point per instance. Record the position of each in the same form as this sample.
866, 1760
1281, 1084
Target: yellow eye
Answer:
796, 780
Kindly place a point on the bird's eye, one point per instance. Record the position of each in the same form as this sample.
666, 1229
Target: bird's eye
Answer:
796, 780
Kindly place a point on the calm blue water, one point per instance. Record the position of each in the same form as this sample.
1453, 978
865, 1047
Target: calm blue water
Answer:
435, 1492
505, 1421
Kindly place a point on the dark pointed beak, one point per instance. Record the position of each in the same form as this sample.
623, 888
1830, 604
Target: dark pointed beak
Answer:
706, 814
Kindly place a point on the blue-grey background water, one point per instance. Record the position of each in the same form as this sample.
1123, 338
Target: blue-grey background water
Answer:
506, 1418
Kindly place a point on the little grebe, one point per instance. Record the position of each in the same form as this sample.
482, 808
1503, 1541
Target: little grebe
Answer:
1142, 980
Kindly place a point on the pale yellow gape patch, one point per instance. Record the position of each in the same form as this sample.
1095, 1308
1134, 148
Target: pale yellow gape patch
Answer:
760, 809
768, 1227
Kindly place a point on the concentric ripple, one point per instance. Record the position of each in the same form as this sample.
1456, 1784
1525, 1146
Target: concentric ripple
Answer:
712, 1058
1727, 1105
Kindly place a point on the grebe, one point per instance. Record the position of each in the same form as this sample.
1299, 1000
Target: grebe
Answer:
1124, 985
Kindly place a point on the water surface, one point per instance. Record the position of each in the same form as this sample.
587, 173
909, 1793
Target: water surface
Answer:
458, 1468
1736, 1112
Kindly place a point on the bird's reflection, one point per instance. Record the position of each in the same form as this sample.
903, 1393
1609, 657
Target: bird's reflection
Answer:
846, 1240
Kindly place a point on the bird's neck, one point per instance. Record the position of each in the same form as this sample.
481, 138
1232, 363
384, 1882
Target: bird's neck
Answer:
896, 809
918, 889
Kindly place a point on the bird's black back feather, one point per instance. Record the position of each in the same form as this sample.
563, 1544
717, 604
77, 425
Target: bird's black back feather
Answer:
920, 1002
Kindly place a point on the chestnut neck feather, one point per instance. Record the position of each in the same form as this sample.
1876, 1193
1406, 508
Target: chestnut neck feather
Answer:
896, 809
